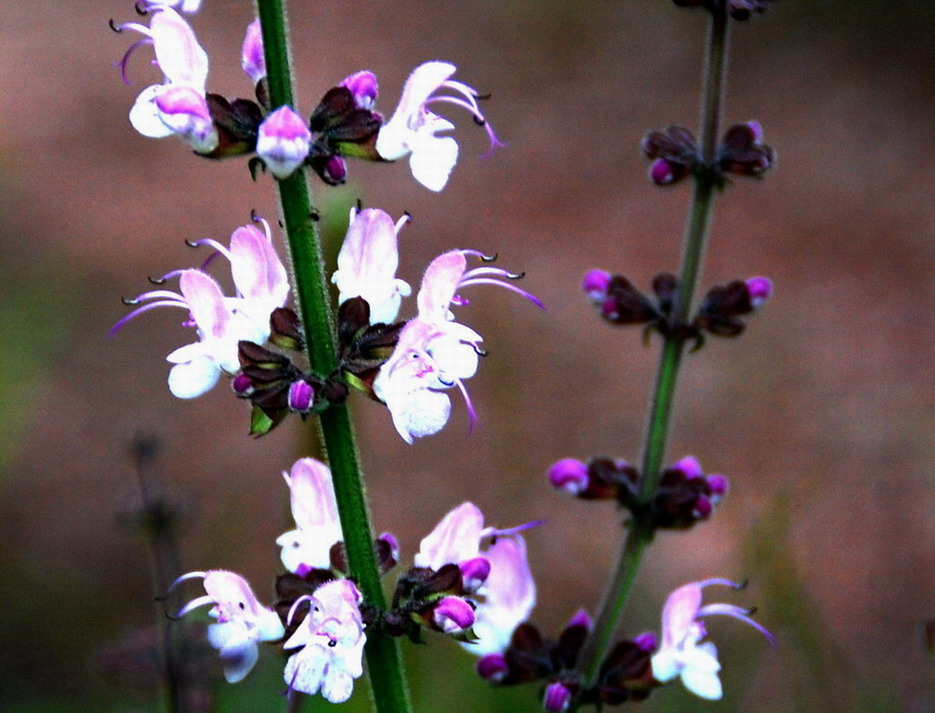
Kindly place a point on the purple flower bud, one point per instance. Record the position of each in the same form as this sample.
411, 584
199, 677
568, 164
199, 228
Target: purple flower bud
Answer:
242, 385
283, 142
492, 667
570, 475
453, 615
390, 539
703, 507
719, 486
301, 396
580, 618
661, 172
474, 572
647, 641
557, 697
595, 284
760, 290
335, 170
363, 85
251, 56
690, 466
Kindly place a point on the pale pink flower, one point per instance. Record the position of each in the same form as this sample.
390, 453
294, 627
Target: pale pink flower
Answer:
315, 511
413, 127
283, 142
368, 261
241, 620
682, 652
221, 321
252, 58
332, 640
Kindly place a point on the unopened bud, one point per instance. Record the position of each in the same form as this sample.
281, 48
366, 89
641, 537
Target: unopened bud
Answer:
301, 396
251, 57
557, 698
363, 85
690, 466
335, 170
185, 111
647, 641
453, 615
474, 572
492, 667
760, 290
283, 142
242, 385
570, 475
594, 284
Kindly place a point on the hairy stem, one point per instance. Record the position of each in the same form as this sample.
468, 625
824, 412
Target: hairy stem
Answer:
384, 660
660, 416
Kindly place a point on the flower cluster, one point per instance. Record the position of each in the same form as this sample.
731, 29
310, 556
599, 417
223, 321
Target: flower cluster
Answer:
621, 303
474, 595
632, 668
343, 124
675, 154
685, 494
222, 322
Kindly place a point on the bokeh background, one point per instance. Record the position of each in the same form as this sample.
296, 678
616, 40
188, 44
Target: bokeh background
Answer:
821, 413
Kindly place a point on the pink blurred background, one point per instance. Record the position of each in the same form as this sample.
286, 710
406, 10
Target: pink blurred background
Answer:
820, 414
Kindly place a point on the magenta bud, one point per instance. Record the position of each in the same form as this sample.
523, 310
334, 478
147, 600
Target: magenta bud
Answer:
492, 667
610, 309
580, 618
719, 486
242, 385
760, 290
301, 396
363, 85
594, 284
570, 475
661, 172
453, 615
757, 130
474, 572
703, 507
283, 142
335, 170
647, 641
557, 697
251, 56
185, 110
690, 466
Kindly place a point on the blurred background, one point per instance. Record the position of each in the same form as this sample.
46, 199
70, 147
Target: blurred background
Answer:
820, 414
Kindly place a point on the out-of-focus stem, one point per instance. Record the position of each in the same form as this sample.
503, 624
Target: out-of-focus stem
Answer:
657, 433
384, 661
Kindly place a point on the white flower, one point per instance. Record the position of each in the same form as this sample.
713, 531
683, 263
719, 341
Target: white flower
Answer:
315, 511
368, 261
332, 637
241, 620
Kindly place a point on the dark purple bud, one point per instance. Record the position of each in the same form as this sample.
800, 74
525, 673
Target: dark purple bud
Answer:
301, 396
594, 284
492, 667
760, 290
557, 698
743, 152
474, 572
703, 507
675, 154
662, 172
335, 170
242, 385
570, 475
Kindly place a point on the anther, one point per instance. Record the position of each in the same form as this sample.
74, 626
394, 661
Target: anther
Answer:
253, 215
114, 26
191, 243
516, 275
314, 215
129, 301
742, 585
141, 8
408, 216
157, 280
488, 258
482, 97
480, 352
256, 166
360, 205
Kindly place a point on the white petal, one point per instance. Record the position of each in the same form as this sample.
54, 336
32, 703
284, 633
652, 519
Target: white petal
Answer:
146, 117
704, 684
337, 686
190, 380
305, 669
432, 160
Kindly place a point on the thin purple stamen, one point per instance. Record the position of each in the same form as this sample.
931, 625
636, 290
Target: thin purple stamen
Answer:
513, 288
122, 62
140, 310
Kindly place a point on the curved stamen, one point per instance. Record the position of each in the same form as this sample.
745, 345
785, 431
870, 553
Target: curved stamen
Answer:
123, 61
498, 271
145, 308
722, 581
194, 604
295, 605
211, 242
404, 219
498, 532
513, 288
472, 412
483, 257
737, 613
185, 577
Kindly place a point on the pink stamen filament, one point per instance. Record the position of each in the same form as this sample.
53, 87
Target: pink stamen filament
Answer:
123, 61
295, 605
145, 308
513, 288
737, 613
194, 604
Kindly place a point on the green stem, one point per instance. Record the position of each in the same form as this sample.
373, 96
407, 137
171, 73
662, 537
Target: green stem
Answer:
384, 660
657, 433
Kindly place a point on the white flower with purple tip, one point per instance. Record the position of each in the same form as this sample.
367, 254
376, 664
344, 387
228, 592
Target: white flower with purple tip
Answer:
368, 261
283, 142
221, 321
315, 511
241, 620
682, 652
178, 104
332, 640
413, 128
435, 353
